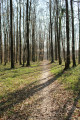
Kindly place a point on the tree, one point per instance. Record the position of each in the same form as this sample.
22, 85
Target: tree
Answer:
67, 63
27, 41
59, 47
0, 38
52, 57
47, 47
20, 53
73, 43
11, 34
58, 29
23, 37
5, 55
17, 37
79, 32
33, 42
37, 32
33, 37
8, 31
55, 39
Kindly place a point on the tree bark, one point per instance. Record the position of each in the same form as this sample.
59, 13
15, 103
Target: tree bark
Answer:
67, 63
55, 39
33, 43
0, 38
17, 37
52, 57
11, 34
59, 48
73, 43
28, 53
79, 35
20, 48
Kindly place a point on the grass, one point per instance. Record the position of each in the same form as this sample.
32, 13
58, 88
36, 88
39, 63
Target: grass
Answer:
14, 84
13, 79
16, 88
70, 78
71, 81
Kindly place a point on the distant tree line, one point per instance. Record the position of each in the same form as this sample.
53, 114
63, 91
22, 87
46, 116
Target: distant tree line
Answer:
23, 34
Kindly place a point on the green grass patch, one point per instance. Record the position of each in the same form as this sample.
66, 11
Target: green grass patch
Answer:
12, 79
70, 78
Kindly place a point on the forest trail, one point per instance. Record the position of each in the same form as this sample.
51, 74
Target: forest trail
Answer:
43, 110
46, 100
54, 102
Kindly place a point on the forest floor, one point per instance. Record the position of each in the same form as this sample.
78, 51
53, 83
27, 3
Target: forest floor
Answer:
43, 92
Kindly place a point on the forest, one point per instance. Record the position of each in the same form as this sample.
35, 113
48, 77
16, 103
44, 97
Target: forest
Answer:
39, 59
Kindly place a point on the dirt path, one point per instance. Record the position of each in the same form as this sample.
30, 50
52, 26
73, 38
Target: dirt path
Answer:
43, 109
48, 100
55, 103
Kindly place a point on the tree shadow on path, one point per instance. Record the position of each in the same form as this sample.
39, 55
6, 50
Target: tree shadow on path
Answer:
73, 107
28, 91
20, 95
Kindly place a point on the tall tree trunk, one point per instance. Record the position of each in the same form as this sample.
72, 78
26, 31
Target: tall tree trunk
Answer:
64, 53
8, 29
55, 39
58, 33
49, 43
52, 59
63, 46
23, 38
7, 45
28, 53
33, 43
0, 38
47, 47
36, 47
79, 34
14, 43
57, 25
17, 37
59, 48
20, 53
5, 55
67, 63
11, 34
73, 44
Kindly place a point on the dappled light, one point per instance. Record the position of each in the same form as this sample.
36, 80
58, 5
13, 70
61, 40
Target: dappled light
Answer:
39, 59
